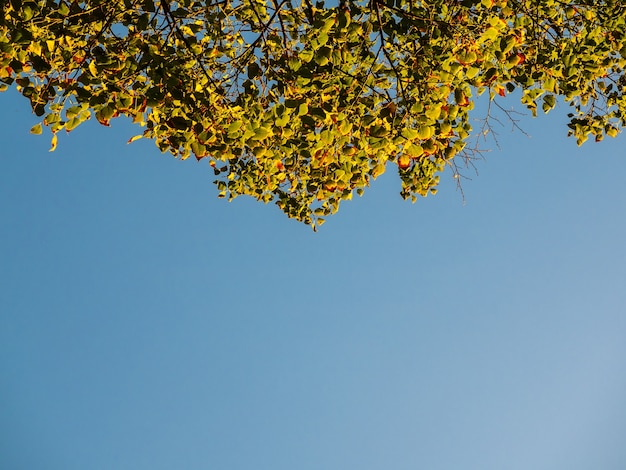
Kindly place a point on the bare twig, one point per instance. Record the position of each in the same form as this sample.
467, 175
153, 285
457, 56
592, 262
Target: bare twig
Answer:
173, 24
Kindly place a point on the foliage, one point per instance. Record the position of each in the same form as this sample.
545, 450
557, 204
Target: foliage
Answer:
303, 104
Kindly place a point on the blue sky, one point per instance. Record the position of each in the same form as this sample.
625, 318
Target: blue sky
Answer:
145, 324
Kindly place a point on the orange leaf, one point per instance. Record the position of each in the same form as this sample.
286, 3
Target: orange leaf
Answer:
404, 162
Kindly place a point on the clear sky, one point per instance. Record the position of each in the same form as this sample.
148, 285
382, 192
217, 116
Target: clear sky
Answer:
147, 325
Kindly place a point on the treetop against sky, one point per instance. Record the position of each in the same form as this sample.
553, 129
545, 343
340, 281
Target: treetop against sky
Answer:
301, 103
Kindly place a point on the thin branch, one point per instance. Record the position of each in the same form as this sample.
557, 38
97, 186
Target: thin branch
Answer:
173, 24
250, 49
385, 52
282, 25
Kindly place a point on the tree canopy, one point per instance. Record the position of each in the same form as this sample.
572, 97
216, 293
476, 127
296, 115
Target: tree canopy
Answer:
303, 103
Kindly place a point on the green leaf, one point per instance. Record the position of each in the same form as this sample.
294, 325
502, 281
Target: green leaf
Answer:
261, 133
64, 10
234, 127
322, 55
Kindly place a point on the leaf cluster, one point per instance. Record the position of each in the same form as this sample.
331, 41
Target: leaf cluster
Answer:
303, 104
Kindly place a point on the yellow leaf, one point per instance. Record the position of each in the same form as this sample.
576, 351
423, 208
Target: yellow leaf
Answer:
303, 109
92, 68
425, 132
378, 170
53, 143
35, 48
